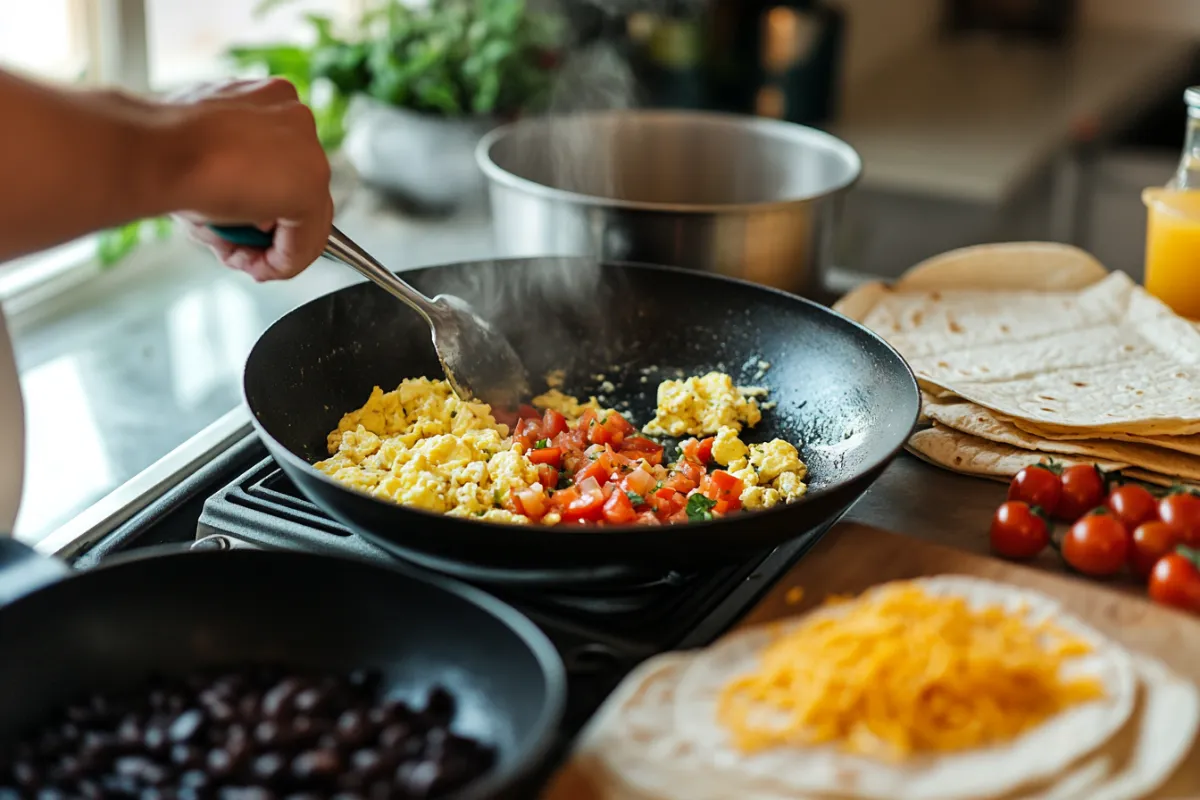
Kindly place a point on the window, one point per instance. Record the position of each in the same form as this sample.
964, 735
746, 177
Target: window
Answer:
48, 38
168, 329
186, 39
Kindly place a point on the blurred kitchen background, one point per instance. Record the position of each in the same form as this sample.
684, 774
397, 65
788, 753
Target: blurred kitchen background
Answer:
977, 121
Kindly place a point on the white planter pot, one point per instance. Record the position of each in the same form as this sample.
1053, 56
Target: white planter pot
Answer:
426, 160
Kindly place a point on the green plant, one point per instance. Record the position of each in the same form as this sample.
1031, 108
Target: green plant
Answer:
116, 243
449, 57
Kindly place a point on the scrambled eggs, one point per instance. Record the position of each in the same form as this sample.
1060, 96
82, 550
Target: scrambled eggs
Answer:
771, 472
702, 406
422, 446
565, 404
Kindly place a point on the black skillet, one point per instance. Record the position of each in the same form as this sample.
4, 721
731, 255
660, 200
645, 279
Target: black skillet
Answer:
64, 636
842, 393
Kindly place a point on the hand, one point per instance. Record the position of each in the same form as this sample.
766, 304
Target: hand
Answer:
258, 162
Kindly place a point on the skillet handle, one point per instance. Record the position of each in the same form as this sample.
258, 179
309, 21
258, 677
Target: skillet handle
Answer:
24, 570
244, 235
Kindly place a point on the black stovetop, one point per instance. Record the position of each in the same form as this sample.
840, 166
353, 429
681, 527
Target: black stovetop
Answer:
602, 627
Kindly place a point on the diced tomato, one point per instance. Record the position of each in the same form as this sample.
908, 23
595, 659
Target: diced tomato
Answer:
595, 470
666, 502
598, 434
678, 482
528, 431
533, 503
647, 518
725, 488
553, 423
726, 483
618, 510
546, 455
570, 440
639, 482
585, 502
698, 451
604, 465
690, 470
547, 476
618, 427
528, 412
639, 447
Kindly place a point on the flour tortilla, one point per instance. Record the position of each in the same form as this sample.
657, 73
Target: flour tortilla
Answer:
1009, 266
967, 417
1178, 444
1006, 266
972, 455
980, 773
633, 749
1038, 333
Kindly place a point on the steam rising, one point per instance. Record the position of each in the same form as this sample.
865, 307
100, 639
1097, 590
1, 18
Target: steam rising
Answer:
594, 77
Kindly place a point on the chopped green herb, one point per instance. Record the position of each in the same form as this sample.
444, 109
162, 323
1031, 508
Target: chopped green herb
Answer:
658, 485
699, 508
499, 498
635, 498
541, 444
564, 481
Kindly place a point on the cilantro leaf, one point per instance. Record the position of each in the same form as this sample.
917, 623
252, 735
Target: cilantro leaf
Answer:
635, 498
699, 508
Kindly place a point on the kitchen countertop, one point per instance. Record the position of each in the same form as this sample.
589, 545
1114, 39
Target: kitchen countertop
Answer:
974, 119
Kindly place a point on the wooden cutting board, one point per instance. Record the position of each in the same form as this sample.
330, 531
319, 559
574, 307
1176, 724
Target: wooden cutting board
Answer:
852, 558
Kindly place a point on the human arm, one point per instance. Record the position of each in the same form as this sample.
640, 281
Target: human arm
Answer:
76, 161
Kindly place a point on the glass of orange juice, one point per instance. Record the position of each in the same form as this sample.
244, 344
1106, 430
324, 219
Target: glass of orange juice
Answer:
1173, 248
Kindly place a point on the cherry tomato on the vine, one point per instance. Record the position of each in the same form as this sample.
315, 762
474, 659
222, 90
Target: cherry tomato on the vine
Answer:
1175, 581
1150, 542
1181, 511
1082, 490
1018, 531
1132, 504
1038, 485
1097, 544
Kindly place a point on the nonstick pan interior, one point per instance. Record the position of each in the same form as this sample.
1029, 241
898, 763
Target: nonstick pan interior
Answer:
112, 627
839, 391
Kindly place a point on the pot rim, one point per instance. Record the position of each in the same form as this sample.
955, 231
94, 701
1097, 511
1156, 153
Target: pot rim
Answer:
800, 134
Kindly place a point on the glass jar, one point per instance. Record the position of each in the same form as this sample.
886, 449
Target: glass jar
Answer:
1172, 266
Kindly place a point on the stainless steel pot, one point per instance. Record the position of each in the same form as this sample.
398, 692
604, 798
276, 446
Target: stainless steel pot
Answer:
743, 196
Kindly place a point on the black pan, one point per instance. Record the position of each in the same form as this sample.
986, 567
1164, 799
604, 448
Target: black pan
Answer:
64, 636
842, 393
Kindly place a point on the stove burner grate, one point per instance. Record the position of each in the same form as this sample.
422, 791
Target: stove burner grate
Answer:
264, 509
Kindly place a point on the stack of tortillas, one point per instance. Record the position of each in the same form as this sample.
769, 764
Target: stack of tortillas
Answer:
660, 735
1026, 351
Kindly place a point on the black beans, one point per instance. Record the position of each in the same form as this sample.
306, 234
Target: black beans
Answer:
254, 734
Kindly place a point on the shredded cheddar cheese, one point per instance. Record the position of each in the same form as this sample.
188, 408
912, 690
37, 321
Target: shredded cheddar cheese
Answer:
904, 672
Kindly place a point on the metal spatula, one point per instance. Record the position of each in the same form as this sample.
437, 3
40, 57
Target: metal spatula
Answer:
479, 362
